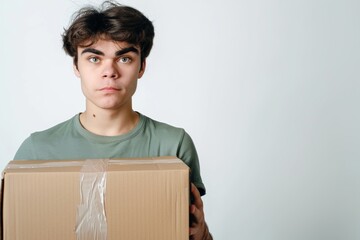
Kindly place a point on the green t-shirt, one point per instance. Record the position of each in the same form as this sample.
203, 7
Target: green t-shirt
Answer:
150, 138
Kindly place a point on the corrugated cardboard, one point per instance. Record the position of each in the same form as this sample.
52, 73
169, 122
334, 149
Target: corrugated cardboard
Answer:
142, 199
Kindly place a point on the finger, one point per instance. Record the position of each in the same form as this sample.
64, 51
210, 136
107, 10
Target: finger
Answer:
197, 214
192, 217
193, 231
192, 208
197, 198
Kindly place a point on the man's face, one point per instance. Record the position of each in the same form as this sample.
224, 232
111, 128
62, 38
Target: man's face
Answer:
109, 72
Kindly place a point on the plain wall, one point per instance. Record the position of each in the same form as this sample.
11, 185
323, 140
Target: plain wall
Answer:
268, 90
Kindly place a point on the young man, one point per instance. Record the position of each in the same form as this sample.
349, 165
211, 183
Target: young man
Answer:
109, 47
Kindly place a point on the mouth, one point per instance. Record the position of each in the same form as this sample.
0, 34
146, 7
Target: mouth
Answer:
109, 89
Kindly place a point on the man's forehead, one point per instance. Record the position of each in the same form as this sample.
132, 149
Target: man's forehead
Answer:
101, 41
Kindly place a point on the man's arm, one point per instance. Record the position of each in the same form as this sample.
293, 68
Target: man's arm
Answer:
198, 228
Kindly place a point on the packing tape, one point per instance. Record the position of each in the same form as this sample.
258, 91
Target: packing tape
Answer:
91, 218
23, 165
61, 163
143, 161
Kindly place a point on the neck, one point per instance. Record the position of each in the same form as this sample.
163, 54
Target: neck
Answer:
109, 123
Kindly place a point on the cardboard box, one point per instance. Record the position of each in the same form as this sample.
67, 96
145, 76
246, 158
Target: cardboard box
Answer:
134, 199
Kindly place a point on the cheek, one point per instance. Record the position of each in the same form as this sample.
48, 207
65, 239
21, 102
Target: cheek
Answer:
129, 83
128, 75
87, 82
133, 87
84, 87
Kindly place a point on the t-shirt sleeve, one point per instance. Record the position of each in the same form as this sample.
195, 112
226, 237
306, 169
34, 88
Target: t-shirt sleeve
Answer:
26, 151
187, 152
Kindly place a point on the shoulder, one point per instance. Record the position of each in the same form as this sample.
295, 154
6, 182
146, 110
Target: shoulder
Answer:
162, 129
52, 136
46, 139
54, 132
168, 136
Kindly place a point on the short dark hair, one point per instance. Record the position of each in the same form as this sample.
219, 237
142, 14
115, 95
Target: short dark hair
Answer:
111, 21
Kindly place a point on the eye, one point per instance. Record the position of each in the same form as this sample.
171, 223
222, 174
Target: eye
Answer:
94, 59
125, 60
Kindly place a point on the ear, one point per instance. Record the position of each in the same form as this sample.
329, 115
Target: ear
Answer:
76, 70
142, 69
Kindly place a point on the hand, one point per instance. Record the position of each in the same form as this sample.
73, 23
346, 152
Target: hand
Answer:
198, 228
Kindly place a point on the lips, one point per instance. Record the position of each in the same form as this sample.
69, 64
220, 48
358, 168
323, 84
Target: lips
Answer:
109, 89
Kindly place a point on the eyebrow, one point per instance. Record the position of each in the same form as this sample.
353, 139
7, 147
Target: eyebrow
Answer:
92, 50
126, 50
118, 53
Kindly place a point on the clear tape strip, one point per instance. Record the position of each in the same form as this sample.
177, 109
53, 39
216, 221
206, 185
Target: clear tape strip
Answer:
19, 165
91, 218
143, 161
60, 163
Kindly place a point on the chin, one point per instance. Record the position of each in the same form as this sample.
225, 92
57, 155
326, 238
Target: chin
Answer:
112, 103
111, 107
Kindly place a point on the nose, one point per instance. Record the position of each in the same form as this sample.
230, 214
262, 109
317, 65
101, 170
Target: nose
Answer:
110, 70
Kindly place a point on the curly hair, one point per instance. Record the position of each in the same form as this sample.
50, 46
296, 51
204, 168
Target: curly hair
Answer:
111, 21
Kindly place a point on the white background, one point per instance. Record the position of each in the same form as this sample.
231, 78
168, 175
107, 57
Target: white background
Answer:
268, 90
